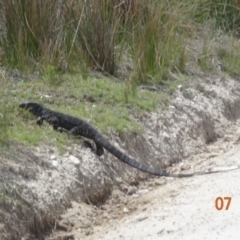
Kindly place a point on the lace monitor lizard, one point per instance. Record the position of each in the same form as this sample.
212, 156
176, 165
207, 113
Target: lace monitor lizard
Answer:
77, 126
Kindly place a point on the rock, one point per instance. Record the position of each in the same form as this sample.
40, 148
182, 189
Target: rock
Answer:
74, 160
45, 96
131, 190
160, 181
135, 196
52, 157
55, 163
150, 139
228, 138
178, 99
139, 219
179, 87
142, 191
125, 210
185, 166
238, 131
176, 169
165, 136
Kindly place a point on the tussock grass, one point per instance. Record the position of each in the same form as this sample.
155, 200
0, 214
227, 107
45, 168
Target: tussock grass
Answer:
225, 13
80, 35
32, 32
158, 44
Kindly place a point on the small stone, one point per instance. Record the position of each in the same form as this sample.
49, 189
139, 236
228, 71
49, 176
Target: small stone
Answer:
238, 131
74, 160
165, 136
135, 196
125, 210
150, 139
228, 138
179, 87
139, 219
176, 169
45, 96
52, 157
178, 99
143, 191
185, 166
55, 163
131, 190
160, 181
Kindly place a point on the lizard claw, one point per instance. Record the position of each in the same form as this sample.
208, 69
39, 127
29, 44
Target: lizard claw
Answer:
39, 121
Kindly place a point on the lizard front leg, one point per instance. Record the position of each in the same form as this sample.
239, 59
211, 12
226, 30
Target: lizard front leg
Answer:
99, 149
53, 121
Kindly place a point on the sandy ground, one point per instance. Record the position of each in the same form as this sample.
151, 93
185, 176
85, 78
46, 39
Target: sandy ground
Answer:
78, 195
183, 208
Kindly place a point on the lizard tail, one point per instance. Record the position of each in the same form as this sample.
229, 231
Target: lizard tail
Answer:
126, 159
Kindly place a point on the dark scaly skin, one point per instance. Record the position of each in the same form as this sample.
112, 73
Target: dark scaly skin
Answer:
80, 127
61, 121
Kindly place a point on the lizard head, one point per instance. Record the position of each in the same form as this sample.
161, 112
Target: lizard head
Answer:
34, 108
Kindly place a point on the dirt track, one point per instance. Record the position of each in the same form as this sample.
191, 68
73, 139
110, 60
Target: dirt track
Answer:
184, 209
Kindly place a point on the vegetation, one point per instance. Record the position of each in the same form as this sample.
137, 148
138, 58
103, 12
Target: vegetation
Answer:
78, 34
87, 58
142, 42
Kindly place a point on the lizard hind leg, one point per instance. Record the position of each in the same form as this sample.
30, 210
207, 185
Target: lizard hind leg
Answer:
88, 144
80, 130
99, 150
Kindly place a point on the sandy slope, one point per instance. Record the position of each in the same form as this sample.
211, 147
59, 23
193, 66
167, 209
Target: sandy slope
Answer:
202, 130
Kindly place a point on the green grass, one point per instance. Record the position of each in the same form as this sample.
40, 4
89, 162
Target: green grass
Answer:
107, 108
